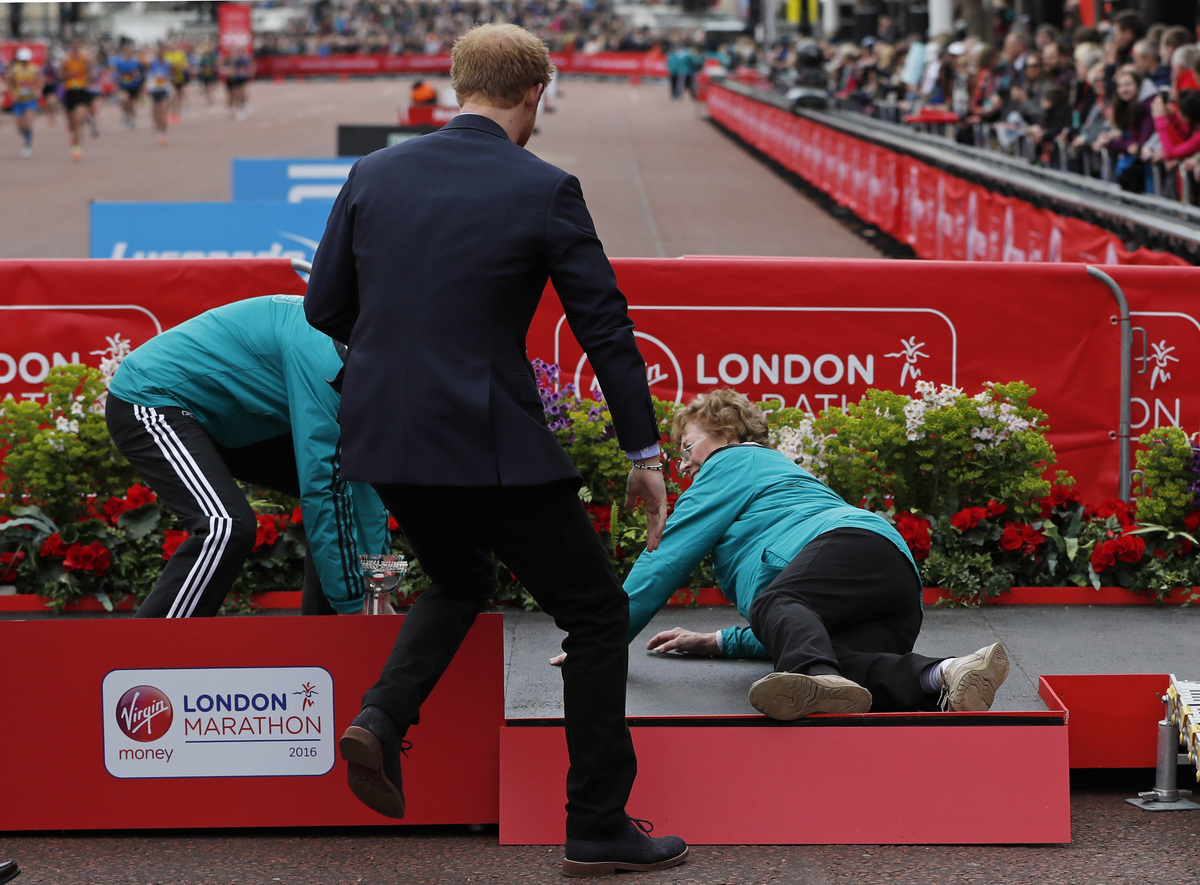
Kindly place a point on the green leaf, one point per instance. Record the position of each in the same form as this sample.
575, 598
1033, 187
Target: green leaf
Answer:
104, 600
140, 522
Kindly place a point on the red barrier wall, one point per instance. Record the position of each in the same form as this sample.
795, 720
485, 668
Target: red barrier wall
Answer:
939, 215
804, 332
57, 312
1165, 311
816, 333
618, 64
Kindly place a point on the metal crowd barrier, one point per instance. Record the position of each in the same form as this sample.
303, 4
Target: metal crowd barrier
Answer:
1094, 165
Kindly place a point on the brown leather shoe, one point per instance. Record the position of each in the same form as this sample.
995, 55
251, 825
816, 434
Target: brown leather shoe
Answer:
372, 748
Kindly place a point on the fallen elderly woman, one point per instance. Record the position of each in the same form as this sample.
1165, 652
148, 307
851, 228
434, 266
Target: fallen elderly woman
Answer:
831, 591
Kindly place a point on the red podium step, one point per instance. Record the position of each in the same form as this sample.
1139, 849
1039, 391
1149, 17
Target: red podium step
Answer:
123, 724
863, 779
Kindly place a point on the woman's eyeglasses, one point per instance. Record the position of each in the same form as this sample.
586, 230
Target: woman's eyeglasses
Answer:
686, 451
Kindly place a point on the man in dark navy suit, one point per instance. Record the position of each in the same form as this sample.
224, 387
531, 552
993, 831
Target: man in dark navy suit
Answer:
435, 256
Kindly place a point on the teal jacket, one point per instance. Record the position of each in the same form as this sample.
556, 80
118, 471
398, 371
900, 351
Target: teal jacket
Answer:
256, 370
755, 510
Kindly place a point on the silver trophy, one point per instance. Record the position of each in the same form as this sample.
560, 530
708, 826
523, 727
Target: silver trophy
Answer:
381, 575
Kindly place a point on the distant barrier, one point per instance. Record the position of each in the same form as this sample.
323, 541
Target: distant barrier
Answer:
611, 64
918, 202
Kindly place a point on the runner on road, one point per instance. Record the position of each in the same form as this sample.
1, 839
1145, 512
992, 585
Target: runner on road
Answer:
77, 97
131, 77
24, 80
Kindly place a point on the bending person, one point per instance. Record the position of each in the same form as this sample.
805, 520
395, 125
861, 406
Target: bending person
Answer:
241, 392
831, 591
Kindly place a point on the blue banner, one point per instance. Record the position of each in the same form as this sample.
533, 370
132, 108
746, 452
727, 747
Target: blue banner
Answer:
207, 230
290, 180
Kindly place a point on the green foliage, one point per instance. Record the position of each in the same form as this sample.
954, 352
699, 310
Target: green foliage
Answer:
1169, 477
963, 478
934, 453
57, 451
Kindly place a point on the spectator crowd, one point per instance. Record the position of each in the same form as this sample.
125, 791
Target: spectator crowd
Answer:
1118, 101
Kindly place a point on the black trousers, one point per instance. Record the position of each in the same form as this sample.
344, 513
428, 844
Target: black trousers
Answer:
195, 478
542, 534
849, 603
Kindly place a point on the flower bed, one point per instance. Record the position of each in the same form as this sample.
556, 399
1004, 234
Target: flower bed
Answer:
968, 481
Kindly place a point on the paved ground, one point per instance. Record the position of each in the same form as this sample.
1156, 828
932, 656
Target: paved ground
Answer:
661, 181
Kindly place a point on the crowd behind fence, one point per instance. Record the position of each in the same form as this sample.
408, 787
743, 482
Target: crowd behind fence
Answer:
1118, 102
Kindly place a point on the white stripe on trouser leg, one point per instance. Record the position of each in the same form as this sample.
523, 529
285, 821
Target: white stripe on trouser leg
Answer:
219, 521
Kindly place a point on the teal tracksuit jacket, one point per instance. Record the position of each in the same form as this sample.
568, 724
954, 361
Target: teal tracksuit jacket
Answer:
254, 370
755, 510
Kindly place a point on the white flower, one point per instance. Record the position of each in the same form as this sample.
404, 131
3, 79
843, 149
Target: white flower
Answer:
65, 425
914, 418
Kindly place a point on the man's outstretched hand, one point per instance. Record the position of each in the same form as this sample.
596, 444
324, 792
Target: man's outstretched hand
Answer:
650, 486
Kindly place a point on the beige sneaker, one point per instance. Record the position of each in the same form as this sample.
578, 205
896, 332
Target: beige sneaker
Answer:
969, 683
795, 695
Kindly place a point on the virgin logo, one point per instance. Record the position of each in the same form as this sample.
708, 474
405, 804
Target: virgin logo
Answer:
144, 713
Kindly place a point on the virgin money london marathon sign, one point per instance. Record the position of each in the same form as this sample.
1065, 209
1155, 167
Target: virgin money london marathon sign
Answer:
252, 722
208, 230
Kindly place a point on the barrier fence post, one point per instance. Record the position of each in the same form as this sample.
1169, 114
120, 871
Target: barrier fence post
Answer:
1126, 330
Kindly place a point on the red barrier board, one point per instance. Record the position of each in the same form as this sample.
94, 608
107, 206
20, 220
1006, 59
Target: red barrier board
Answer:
1165, 311
617, 64
229, 722
815, 333
938, 214
57, 312
1113, 721
813, 783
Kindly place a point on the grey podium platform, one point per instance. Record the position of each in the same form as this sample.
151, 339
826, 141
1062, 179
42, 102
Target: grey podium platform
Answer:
1040, 640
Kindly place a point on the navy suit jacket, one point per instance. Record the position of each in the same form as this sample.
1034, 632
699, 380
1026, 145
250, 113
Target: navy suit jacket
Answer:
433, 261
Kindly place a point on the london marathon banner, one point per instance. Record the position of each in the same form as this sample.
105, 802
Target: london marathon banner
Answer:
815, 334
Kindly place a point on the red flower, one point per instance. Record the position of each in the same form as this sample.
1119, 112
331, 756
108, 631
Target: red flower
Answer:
113, 508
1192, 521
915, 532
1129, 548
393, 526
137, 495
1021, 536
298, 518
968, 518
268, 532
1123, 510
1059, 497
995, 508
53, 546
172, 538
1104, 556
9, 563
601, 517
93, 559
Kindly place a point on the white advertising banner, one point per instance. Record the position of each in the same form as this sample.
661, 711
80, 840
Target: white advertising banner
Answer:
249, 722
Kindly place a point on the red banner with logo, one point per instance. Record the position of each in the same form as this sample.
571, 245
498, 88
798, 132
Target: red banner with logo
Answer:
1165, 312
938, 214
58, 312
819, 333
8, 51
235, 31
615, 64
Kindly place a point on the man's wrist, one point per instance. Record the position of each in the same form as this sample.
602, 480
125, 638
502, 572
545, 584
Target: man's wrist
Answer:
645, 454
